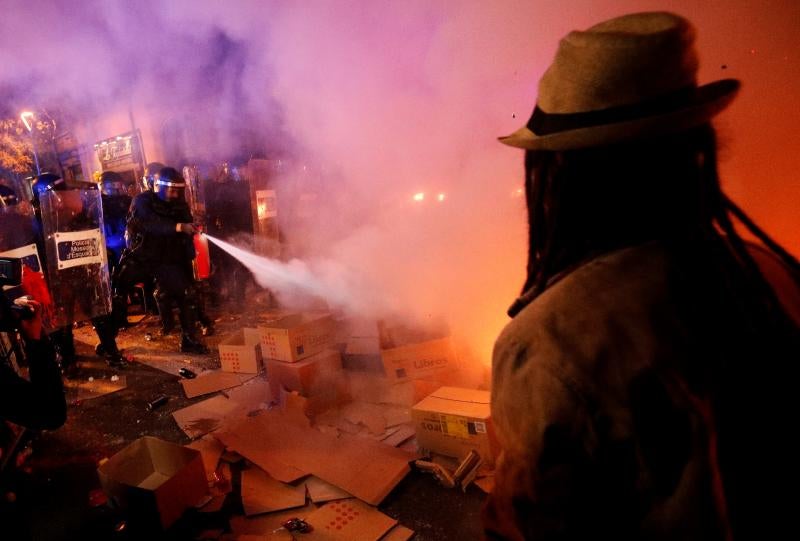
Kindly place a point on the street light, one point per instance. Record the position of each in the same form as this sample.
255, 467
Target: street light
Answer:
25, 116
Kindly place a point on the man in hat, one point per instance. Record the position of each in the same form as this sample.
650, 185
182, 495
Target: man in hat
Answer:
161, 227
639, 391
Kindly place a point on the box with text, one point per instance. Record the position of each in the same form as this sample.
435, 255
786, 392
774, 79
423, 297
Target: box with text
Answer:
452, 421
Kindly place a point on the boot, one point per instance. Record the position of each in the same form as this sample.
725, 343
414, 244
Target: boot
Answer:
106, 331
189, 344
164, 304
65, 350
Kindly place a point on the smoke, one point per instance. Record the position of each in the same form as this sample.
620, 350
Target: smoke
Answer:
386, 99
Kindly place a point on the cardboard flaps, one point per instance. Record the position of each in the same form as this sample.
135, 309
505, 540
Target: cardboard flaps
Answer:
241, 352
297, 336
155, 480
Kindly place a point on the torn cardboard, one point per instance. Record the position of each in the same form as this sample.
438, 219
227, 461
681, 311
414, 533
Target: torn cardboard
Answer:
366, 469
155, 480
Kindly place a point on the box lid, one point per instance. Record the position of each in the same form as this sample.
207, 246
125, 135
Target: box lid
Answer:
457, 401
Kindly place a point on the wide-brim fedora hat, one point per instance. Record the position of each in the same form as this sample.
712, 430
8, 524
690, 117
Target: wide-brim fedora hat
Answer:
630, 77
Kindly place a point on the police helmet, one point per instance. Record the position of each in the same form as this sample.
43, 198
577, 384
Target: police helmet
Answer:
169, 177
150, 173
8, 197
112, 183
45, 182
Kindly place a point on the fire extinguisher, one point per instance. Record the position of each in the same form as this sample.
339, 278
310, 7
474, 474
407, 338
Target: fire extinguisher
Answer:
202, 261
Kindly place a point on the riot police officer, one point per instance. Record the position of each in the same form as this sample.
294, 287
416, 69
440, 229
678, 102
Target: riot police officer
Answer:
104, 325
161, 229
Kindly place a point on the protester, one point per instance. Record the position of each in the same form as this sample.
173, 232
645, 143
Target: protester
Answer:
640, 390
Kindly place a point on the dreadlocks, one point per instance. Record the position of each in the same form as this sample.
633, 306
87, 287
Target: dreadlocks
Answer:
582, 203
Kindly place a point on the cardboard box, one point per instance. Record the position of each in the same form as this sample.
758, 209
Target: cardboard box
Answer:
296, 337
452, 421
155, 480
309, 377
422, 360
241, 352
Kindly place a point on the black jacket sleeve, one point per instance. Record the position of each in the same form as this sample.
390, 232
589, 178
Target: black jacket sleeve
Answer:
40, 402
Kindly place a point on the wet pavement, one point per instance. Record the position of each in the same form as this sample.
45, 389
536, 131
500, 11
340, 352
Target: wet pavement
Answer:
62, 480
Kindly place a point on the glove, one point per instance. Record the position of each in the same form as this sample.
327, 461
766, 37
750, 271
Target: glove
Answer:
188, 229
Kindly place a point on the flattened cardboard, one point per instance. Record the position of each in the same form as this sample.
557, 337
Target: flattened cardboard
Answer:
211, 450
211, 382
398, 533
241, 352
204, 417
312, 376
452, 421
369, 415
155, 480
251, 395
319, 491
348, 520
419, 360
264, 526
366, 469
293, 338
263, 494
403, 434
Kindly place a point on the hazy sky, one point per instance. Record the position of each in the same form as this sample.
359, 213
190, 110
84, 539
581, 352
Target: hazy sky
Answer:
395, 98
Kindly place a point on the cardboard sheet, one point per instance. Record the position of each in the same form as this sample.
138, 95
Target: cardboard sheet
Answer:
264, 525
319, 491
364, 468
398, 533
211, 450
263, 494
486, 483
210, 382
369, 415
348, 520
252, 395
399, 436
206, 416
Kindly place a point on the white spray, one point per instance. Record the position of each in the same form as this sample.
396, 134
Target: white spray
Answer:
294, 281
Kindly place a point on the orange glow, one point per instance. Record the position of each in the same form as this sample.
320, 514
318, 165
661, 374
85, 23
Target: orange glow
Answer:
441, 197
419, 196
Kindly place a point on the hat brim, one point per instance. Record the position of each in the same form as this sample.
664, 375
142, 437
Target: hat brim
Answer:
711, 99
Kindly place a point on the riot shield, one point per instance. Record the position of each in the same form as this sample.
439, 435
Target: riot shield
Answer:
19, 237
77, 264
